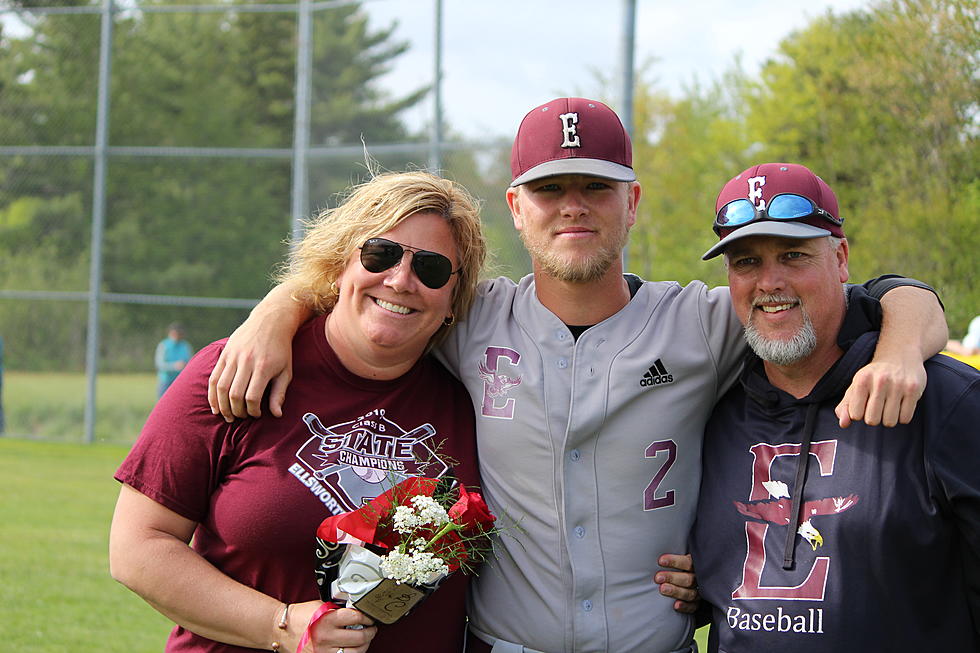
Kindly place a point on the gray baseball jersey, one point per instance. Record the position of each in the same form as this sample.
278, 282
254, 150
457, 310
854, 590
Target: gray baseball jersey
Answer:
594, 446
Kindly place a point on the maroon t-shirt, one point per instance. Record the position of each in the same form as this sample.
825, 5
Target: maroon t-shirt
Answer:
258, 488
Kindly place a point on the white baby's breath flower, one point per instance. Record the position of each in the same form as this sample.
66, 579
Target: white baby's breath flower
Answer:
405, 519
428, 567
398, 566
429, 511
417, 568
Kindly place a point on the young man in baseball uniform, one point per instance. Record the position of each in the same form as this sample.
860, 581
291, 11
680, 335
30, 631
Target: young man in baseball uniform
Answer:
807, 532
591, 390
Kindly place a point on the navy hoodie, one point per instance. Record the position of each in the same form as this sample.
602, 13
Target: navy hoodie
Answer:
886, 552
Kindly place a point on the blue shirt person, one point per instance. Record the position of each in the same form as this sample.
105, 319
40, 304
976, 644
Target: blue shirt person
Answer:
171, 356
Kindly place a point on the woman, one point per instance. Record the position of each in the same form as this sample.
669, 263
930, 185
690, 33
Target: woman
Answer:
389, 270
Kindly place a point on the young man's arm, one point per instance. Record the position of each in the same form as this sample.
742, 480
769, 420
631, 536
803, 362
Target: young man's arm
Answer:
886, 390
259, 351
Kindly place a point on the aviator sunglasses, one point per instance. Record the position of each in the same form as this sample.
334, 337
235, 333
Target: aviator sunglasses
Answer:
787, 206
432, 268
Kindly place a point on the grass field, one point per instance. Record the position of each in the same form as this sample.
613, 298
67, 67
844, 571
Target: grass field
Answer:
51, 405
55, 588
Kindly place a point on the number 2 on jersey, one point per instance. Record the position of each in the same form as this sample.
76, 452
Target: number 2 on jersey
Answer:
650, 499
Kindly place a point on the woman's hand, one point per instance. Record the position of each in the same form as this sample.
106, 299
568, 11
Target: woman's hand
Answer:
331, 633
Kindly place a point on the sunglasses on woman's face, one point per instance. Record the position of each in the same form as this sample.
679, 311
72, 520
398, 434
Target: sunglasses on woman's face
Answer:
787, 206
432, 268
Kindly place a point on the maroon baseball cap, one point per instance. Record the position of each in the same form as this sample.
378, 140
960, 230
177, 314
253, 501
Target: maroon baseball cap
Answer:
759, 184
571, 136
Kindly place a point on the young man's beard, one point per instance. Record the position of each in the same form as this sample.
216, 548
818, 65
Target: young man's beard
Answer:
783, 352
583, 271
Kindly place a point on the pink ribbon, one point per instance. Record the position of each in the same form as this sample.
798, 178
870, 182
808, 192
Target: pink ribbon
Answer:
322, 610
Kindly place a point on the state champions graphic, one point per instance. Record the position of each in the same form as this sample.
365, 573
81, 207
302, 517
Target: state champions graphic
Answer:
350, 463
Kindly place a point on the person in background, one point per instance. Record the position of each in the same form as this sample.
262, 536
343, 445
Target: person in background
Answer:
591, 389
970, 344
809, 537
215, 524
172, 354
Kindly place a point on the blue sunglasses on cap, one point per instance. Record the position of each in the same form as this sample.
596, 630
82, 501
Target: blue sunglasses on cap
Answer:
787, 206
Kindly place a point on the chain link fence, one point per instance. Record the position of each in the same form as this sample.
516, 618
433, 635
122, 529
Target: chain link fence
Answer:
156, 158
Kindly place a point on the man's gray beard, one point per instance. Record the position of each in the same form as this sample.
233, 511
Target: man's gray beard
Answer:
783, 352
592, 269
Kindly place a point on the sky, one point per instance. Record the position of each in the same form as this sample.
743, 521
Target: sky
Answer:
501, 58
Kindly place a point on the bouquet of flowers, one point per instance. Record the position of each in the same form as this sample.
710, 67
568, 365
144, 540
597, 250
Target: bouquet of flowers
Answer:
387, 556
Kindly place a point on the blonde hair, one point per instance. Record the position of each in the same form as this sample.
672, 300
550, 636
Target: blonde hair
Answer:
373, 208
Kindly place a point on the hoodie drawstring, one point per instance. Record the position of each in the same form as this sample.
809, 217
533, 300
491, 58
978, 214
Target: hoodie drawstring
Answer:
802, 463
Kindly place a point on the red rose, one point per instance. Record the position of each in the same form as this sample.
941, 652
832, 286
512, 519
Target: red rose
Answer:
471, 511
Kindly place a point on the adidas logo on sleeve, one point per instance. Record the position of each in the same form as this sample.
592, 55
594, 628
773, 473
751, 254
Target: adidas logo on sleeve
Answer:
657, 375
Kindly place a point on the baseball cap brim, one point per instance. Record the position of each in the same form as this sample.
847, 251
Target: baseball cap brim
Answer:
577, 166
782, 229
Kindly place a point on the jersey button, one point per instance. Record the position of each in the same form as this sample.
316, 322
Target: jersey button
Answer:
562, 363
579, 532
575, 455
587, 605
561, 334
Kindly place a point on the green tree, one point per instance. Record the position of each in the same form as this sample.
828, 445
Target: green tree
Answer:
176, 225
883, 104
684, 150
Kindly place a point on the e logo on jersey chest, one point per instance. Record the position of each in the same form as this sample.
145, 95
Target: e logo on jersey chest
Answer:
497, 383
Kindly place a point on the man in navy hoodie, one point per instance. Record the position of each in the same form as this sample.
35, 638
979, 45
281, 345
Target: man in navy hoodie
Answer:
810, 537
